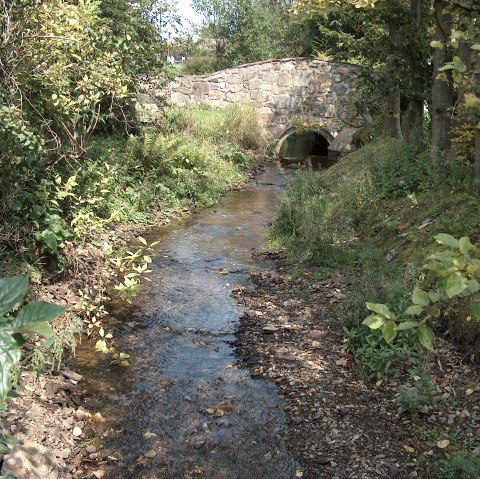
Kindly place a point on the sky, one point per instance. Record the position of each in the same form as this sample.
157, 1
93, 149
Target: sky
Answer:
186, 12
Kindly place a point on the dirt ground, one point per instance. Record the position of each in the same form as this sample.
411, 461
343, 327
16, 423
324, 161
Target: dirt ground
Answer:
341, 426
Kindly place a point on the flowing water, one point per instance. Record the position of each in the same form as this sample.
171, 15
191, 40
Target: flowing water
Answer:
182, 400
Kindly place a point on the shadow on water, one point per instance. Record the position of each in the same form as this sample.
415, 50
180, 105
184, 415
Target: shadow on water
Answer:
183, 398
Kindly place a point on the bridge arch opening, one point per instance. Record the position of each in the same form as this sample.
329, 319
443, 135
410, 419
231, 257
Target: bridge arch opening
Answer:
298, 147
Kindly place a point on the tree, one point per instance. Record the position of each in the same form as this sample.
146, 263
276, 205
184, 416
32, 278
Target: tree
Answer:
388, 39
442, 90
66, 67
250, 30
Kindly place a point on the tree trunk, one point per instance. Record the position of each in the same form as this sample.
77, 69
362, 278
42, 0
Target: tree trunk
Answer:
442, 91
476, 63
477, 154
393, 118
415, 110
392, 123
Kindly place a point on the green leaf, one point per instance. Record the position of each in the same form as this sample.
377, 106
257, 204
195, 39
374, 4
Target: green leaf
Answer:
459, 65
447, 240
465, 245
475, 309
406, 325
473, 269
12, 292
414, 310
41, 329
31, 316
436, 44
435, 266
456, 284
472, 100
374, 321
10, 355
434, 296
473, 286
389, 331
443, 256
4, 450
11, 440
446, 67
435, 312
420, 297
381, 309
475, 46
426, 337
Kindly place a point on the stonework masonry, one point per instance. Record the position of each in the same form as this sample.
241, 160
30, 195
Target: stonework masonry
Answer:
283, 90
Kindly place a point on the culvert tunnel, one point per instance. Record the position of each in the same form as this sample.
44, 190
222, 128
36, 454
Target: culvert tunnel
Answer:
300, 147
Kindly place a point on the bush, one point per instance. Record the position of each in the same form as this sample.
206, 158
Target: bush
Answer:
365, 215
465, 465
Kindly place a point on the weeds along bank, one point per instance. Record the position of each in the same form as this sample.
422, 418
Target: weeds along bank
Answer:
400, 226
67, 227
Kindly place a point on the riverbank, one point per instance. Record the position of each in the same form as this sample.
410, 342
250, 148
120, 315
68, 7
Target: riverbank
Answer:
341, 426
190, 173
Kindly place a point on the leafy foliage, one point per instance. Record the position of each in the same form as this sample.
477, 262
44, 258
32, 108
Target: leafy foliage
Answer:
245, 31
67, 68
32, 318
461, 466
412, 397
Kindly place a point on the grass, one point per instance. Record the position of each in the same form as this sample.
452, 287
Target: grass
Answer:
373, 216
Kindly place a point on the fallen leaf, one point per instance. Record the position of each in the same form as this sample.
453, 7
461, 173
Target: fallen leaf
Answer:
99, 474
408, 448
443, 443
225, 406
469, 392
97, 417
341, 362
150, 454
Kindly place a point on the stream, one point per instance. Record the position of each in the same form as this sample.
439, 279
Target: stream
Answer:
182, 409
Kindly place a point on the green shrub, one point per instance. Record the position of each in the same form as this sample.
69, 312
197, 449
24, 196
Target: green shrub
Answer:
412, 397
374, 358
464, 465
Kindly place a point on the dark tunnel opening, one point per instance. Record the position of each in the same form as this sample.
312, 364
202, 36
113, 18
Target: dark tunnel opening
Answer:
306, 146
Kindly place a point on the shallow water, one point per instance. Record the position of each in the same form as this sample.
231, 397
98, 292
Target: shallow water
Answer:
182, 396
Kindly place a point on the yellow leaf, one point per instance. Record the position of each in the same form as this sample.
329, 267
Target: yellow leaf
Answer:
443, 443
408, 448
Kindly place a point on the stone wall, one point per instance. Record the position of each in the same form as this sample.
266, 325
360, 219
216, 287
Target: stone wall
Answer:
302, 88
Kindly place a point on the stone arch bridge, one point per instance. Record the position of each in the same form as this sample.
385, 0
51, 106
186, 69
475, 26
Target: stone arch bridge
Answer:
287, 91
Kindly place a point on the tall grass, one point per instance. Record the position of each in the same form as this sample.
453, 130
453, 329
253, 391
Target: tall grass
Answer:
369, 207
